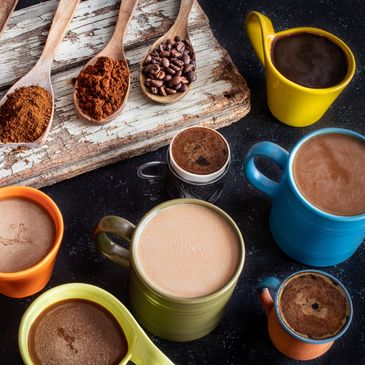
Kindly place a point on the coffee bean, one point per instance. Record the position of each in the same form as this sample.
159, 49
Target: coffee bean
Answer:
191, 76
170, 71
170, 68
170, 91
165, 62
160, 75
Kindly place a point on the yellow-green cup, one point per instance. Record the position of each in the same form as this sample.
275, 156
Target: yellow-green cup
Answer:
140, 348
170, 317
291, 103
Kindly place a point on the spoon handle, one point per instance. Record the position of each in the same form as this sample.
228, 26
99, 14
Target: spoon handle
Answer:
181, 23
65, 12
6, 9
125, 15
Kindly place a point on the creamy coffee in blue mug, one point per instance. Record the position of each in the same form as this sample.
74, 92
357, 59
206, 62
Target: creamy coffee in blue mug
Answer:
318, 206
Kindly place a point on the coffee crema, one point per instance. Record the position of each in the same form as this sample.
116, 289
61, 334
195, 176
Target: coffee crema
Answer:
76, 331
329, 170
313, 306
188, 251
199, 151
309, 60
27, 234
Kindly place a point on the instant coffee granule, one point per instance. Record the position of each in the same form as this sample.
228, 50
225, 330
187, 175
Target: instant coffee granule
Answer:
102, 87
25, 115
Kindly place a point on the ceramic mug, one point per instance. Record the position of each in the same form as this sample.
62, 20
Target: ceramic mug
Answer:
303, 231
167, 316
140, 348
285, 339
291, 103
30, 281
184, 184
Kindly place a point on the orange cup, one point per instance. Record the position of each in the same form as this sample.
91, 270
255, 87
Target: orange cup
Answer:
30, 281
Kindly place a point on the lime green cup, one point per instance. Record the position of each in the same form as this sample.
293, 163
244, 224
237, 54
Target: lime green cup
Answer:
169, 317
140, 348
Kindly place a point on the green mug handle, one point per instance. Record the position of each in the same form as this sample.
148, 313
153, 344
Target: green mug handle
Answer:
106, 246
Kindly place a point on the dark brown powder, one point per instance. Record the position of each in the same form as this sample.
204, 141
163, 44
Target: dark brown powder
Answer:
25, 115
101, 88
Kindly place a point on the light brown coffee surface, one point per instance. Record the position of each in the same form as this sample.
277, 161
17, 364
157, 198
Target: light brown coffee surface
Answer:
199, 151
329, 171
188, 251
313, 306
77, 332
26, 234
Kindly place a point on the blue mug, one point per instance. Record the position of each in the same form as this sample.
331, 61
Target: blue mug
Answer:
303, 231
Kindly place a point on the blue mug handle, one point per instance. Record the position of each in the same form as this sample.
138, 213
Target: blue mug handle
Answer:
274, 152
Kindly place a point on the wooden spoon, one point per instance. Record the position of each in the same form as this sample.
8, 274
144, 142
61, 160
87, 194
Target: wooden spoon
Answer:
6, 10
40, 74
115, 50
180, 28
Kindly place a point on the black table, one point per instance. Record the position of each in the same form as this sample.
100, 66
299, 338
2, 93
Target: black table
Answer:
242, 337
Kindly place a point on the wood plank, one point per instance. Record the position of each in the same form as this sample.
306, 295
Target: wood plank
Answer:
218, 98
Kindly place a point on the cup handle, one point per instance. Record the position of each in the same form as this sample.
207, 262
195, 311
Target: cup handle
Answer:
265, 297
266, 149
258, 27
146, 353
106, 246
141, 171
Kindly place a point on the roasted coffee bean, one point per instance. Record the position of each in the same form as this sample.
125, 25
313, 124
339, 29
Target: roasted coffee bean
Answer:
165, 54
187, 42
148, 82
154, 90
178, 73
167, 78
191, 76
174, 67
162, 91
170, 91
180, 46
147, 60
178, 86
160, 75
176, 80
186, 59
178, 63
188, 68
157, 83
184, 80
154, 69
183, 88
146, 69
170, 71
165, 62
177, 38
175, 53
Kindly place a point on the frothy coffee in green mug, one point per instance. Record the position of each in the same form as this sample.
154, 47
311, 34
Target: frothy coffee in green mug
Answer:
188, 251
76, 331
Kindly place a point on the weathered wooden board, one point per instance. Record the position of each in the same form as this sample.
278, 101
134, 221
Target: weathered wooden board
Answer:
219, 97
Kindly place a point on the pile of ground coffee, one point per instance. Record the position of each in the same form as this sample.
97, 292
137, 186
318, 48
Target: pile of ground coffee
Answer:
101, 88
25, 115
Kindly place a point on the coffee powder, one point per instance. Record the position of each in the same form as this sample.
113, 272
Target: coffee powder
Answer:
102, 87
25, 115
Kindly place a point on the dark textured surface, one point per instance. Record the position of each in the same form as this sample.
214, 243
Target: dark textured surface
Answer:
242, 337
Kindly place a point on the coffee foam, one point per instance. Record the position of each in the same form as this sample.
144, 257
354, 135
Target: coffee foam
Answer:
313, 306
26, 234
76, 331
187, 250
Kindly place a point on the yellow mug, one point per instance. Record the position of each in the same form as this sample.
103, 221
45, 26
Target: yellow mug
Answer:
291, 103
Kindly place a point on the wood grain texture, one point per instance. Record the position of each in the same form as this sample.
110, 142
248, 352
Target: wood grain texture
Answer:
6, 9
218, 98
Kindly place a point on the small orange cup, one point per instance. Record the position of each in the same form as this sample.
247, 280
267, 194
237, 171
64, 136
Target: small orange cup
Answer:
30, 281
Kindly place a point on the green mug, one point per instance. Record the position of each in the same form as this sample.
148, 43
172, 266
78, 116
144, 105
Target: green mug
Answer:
140, 348
169, 317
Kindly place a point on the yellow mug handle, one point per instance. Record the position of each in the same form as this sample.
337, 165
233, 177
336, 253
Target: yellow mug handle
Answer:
259, 28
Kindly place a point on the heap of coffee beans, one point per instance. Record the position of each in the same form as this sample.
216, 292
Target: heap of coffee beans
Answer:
170, 68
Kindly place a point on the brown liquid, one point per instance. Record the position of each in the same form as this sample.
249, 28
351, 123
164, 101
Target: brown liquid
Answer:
188, 251
76, 331
313, 306
329, 170
27, 234
200, 151
309, 60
